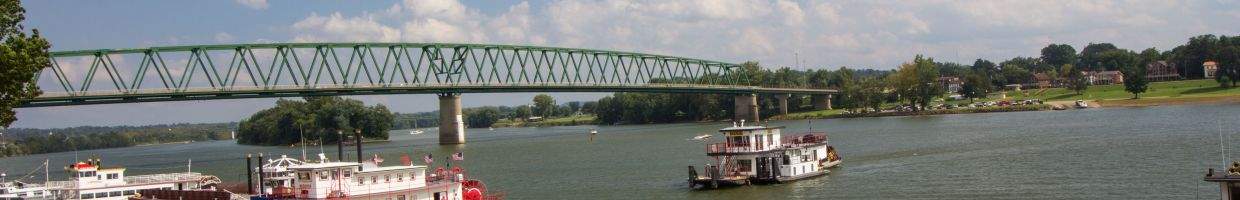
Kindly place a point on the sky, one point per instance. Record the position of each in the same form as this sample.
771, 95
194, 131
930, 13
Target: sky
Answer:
782, 33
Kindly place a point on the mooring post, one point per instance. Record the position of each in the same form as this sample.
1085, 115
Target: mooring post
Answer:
249, 173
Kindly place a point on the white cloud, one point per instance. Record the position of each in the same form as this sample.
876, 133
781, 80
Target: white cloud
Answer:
867, 34
223, 37
253, 4
336, 27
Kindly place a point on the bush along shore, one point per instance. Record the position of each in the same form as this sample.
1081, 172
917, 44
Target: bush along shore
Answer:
830, 115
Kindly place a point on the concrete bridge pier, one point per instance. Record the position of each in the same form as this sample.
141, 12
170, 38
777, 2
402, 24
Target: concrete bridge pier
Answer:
451, 122
783, 103
822, 102
746, 108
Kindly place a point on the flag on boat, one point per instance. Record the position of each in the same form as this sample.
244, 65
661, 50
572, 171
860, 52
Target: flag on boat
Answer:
427, 159
458, 156
405, 160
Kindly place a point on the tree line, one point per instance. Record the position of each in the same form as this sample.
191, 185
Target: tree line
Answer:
24, 141
314, 119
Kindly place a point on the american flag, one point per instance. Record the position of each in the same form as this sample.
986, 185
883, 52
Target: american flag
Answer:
428, 159
377, 159
458, 156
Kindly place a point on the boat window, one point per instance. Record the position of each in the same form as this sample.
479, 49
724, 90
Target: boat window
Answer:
322, 175
303, 176
129, 192
88, 196
374, 179
348, 173
387, 178
400, 177
114, 176
114, 194
101, 195
335, 174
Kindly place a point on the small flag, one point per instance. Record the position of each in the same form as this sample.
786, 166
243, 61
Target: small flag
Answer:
427, 159
377, 159
458, 156
405, 160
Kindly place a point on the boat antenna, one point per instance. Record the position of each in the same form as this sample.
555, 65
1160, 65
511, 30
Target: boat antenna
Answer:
302, 132
1221, 152
189, 166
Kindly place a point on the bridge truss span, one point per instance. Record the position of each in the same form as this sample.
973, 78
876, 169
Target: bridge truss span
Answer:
315, 69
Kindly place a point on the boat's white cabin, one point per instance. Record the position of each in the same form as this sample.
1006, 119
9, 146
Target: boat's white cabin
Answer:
751, 138
324, 180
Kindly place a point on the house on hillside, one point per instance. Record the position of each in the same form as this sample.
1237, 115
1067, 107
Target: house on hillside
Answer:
1043, 80
1161, 71
1210, 68
1104, 77
950, 84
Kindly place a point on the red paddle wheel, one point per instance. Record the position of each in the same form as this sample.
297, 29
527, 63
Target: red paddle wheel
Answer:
475, 190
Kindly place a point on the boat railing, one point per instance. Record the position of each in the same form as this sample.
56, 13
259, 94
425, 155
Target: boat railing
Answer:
802, 140
439, 175
729, 148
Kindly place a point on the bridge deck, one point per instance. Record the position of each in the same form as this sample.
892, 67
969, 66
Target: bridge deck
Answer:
156, 95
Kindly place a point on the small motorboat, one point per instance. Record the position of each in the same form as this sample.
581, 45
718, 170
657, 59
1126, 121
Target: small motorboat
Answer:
490, 128
1081, 104
416, 131
702, 137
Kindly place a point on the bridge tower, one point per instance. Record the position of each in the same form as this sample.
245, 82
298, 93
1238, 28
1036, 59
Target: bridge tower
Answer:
746, 108
451, 122
821, 101
783, 103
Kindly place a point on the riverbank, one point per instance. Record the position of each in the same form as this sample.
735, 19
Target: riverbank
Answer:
1159, 93
559, 121
828, 114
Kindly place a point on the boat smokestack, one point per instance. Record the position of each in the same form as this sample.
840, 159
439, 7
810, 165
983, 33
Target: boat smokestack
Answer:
357, 138
249, 174
261, 162
340, 146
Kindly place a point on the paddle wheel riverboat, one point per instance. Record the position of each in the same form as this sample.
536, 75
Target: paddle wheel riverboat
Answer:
368, 180
761, 155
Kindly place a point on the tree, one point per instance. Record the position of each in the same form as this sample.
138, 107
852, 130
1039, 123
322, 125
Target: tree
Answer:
975, 86
1228, 66
990, 70
1058, 54
1013, 74
917, 81
1077, 81
483, 117
1134, 80
281, 125
544, 105
21, 58
1089, 58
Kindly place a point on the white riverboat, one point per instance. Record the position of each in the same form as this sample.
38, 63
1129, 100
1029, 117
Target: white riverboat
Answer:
762, 155
91, 181
17, 190
277, 175
351, 180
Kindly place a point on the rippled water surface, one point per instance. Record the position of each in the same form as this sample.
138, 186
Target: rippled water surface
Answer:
1153, 152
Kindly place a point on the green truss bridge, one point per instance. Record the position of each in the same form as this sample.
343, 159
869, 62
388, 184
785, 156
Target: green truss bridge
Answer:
232, 71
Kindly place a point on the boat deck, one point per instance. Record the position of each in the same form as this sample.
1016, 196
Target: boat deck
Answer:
703, 182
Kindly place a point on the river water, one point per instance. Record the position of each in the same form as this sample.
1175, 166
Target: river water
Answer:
1151, 152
